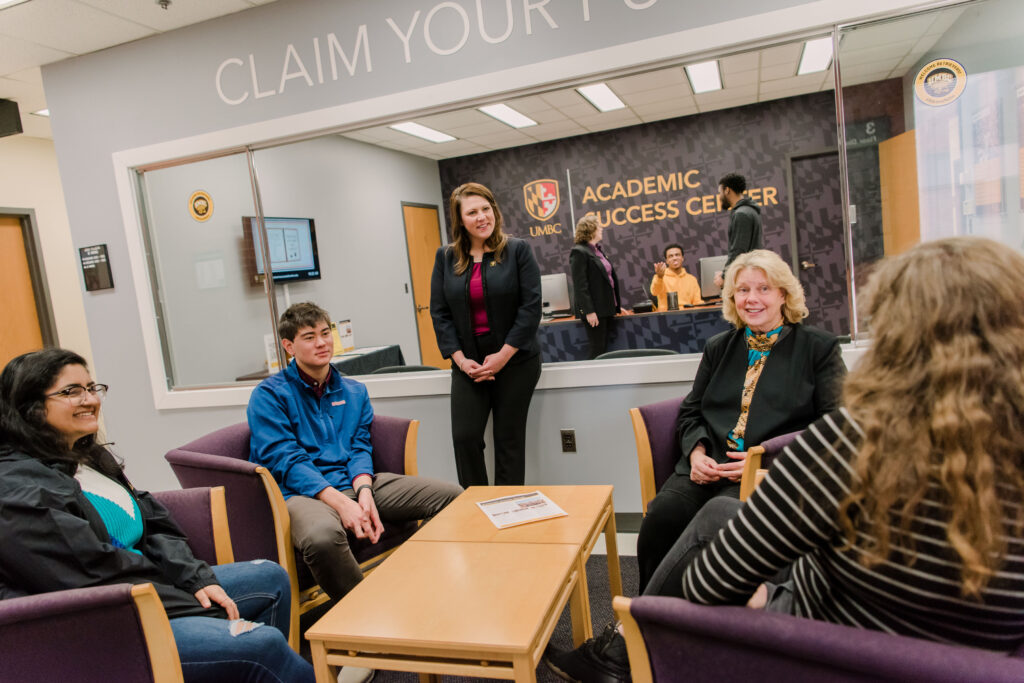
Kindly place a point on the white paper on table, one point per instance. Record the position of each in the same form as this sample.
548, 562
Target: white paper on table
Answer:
520, 508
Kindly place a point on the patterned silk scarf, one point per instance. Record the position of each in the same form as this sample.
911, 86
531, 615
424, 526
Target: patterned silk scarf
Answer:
758, 348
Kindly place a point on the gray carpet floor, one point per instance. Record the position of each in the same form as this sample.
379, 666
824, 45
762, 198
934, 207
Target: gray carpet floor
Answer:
600, 609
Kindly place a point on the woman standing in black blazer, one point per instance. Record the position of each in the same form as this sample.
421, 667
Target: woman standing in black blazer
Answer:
485, 302
595, 284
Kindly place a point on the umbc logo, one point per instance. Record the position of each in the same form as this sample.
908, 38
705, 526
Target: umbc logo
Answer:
940, 82
541, 198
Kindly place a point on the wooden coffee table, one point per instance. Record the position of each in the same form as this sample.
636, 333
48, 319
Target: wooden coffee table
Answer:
459, 608
590, 511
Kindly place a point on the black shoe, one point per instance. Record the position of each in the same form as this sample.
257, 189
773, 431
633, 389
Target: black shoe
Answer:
599, 660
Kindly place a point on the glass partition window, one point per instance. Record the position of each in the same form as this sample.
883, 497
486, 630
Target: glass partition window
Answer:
945, 152
210, 302
928, 142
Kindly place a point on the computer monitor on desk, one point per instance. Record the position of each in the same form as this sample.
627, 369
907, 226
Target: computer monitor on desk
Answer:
709, 265
554, 296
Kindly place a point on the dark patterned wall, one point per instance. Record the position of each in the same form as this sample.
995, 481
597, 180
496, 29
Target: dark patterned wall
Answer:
671, 169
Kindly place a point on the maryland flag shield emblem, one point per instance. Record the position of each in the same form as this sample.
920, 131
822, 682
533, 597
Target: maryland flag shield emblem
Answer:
541, 198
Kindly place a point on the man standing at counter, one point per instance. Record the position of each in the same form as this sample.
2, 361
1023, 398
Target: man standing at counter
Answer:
744, 219
670, 276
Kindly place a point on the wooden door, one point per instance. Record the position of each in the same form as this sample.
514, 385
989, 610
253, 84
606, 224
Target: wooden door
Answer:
21, 331
422, 238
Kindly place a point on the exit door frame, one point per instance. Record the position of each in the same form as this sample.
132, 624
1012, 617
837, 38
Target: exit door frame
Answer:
37, 272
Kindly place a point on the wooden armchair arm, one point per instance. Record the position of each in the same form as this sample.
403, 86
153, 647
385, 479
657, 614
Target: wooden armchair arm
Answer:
752, 472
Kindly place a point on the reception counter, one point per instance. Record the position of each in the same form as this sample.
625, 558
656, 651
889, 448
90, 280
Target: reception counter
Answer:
682, 331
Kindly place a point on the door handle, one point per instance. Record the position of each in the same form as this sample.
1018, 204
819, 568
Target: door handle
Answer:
805, 265
422, 307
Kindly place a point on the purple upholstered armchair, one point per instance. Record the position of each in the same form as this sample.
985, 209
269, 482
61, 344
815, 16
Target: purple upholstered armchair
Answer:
256, 508
88, 635
670, 639
759, 459
109, 633
657, 450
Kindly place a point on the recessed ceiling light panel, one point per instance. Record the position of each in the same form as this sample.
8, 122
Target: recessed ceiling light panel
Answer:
420, 131
817, 56
704, 77
508, 115
602, 97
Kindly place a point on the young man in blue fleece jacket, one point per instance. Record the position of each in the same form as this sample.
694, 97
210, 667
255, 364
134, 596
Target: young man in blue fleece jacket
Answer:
311, 428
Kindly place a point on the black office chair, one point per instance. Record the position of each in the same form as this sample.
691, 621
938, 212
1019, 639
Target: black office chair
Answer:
403, 368
635, 353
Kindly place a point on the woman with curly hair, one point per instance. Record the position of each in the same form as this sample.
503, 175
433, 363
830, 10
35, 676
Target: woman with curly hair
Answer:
903, 511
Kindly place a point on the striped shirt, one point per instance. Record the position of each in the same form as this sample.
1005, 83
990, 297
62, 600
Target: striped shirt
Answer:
792, 518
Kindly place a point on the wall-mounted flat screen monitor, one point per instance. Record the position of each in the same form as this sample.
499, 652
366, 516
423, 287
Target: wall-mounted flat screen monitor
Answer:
292, 243
709, 265
554, 295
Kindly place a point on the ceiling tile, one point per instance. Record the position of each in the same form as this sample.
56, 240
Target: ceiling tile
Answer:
455, 119
529, 105
663, 78
612, 119
795, 83
738, 78
489, 127
666, 110
547, 116
563, 98
875, 35
509, 137
179, 13
659, 95
944, 20
578, 111
893, 52
69, 26
783, 54
17, 54
546, 131
774, 72
738, 63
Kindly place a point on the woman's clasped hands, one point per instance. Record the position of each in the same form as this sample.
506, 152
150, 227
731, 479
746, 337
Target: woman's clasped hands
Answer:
704, 469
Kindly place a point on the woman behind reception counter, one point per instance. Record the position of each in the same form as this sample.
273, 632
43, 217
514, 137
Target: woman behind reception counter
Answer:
596, 297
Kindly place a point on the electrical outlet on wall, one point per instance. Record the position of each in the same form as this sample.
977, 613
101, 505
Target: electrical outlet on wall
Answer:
568, 440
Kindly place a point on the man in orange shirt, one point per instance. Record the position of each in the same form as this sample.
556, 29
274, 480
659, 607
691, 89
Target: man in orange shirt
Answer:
670, 276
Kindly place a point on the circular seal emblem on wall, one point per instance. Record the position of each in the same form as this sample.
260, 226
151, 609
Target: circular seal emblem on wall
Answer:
940, 82
200, 205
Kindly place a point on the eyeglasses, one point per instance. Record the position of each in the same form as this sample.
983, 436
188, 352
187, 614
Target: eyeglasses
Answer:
76, 392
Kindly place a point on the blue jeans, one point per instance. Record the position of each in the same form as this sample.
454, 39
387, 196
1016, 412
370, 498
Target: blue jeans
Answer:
209, 652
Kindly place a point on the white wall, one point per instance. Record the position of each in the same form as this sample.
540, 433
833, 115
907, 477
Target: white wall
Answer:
29, 180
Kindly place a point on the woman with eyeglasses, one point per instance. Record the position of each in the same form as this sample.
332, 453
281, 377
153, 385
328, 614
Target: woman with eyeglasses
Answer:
71, 519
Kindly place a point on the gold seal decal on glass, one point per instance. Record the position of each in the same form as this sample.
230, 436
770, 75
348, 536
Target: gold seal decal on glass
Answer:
940, 82
200, 205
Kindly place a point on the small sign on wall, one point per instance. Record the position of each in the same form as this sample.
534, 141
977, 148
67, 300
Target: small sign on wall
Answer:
96, 268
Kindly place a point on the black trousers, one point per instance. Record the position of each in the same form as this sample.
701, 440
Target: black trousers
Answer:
597, 337
677, 503
508, 398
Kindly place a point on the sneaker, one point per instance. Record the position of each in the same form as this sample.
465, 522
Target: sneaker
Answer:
355, 674
599, 660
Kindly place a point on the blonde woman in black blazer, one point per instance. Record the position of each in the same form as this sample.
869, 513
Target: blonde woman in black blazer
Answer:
595, 284
800, 382
485, 302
